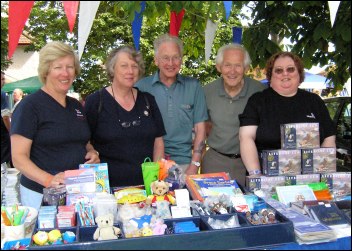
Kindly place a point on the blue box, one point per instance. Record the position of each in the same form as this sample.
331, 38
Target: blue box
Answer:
22, 242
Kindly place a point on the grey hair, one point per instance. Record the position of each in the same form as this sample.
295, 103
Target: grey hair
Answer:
167, 38
220, 56
112, 58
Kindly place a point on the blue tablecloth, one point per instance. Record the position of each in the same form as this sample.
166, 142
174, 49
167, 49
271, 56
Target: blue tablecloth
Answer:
339, 244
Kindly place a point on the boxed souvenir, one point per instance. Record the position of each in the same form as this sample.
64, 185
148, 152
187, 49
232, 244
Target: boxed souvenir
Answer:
281, 162
319, 160
304, 179
266, 183
339, 183
80, 181
300, 135
101, 176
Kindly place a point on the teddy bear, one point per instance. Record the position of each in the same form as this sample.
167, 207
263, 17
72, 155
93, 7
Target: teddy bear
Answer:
160, 192
106, 229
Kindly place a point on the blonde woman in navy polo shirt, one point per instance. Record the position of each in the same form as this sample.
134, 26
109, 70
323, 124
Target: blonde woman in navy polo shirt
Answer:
49, 132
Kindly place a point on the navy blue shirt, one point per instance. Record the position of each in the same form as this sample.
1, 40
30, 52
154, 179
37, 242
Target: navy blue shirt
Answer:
59, 134
268, 109
124, 149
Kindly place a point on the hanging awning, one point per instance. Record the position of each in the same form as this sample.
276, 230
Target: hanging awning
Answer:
27, 85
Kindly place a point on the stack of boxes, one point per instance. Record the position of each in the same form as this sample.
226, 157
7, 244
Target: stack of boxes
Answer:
300, 160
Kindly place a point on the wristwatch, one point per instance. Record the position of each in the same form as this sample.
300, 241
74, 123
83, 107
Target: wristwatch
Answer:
196, 163
254, 172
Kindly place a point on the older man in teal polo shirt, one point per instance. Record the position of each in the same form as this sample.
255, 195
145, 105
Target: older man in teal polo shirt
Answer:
181, 101
226, 98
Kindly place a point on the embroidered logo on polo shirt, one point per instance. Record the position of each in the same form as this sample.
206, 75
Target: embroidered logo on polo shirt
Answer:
79, 114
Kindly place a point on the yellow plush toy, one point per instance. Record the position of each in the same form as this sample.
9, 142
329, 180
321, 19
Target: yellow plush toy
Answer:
160, 191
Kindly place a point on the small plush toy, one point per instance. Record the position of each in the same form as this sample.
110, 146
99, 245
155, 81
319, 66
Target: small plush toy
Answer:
158, 227
160, 191
106, 229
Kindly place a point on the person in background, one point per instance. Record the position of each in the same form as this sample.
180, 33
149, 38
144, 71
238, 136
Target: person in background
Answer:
5, 125
226, 98
181, 101
126, 123
17, 97
49, 132
282, 103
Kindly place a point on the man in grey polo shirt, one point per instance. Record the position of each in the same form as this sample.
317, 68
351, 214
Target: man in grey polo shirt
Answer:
181, 102
226, 98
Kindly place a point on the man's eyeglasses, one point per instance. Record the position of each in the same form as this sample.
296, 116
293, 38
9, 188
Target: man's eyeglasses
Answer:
166, 59
290, 69
127, 124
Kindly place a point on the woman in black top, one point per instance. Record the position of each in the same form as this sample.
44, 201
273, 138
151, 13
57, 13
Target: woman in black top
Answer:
126, 123
282, 103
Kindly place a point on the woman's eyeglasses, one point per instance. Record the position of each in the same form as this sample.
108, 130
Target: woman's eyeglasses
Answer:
127, 124
290, 69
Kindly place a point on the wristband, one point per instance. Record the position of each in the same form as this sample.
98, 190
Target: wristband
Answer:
254, 172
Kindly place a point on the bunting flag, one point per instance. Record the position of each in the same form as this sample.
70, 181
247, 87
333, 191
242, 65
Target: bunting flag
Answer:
18, 14
137, 25
237, 35
175, 22
210, 31
87, 11
333, 7
228, 7
71, 8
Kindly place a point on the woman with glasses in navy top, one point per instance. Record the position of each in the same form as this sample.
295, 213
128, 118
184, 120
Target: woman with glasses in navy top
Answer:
282, 103
126, 123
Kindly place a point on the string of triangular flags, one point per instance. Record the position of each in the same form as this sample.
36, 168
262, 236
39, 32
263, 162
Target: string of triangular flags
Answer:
19, 12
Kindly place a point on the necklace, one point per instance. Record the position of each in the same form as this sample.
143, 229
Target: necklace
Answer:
113, 94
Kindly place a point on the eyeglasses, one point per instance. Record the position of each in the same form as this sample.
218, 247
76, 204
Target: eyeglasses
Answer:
127, 124
166, 59
290, 69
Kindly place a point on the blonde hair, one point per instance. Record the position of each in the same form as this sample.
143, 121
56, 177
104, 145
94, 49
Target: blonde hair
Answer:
52, 51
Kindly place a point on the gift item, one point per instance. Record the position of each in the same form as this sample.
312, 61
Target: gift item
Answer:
54, 196
150, 172
160, 192
106, 229
300, 135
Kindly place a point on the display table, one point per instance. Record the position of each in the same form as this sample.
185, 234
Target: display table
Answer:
234, 238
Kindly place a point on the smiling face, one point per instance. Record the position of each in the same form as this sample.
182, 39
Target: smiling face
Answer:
126, 71
61, 74
232, 67
168, 60
285, 77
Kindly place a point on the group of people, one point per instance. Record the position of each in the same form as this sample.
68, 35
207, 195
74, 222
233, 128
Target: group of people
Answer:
134, 117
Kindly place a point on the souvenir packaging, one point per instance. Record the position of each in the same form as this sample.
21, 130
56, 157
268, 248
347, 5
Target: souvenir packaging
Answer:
300, 135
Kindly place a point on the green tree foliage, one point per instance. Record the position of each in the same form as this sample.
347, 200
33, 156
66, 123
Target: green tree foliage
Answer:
306, 24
